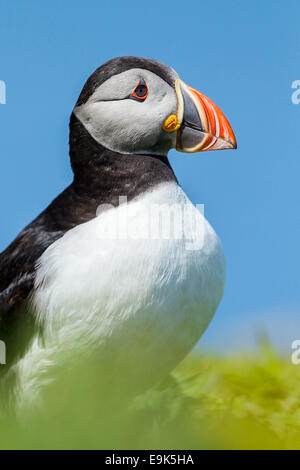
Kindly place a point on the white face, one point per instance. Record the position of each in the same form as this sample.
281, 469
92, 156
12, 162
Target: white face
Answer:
125, 125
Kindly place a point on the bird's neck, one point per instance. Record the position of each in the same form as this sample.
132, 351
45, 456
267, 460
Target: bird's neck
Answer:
105, 175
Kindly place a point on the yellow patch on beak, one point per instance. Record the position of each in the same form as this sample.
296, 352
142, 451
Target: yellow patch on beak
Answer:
171, 124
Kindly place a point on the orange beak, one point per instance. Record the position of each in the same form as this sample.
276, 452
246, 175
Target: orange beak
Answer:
201, 125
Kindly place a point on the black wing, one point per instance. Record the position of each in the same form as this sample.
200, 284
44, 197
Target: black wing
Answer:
18, 265
18, 261
17, 274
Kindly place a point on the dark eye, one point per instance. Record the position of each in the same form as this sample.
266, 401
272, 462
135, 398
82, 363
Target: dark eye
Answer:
141, 91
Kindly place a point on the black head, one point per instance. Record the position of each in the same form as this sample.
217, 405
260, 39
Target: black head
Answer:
137, 106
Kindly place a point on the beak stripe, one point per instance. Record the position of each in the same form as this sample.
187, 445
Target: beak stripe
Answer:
211, 115
180, 105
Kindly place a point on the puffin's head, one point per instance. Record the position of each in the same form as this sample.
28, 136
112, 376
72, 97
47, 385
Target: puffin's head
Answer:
136, 105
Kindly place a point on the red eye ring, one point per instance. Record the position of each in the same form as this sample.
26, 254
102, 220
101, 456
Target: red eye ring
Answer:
141, 91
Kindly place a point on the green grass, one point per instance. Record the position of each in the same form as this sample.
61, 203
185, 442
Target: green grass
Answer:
210, 402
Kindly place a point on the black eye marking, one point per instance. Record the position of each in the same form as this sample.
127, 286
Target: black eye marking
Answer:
141, 91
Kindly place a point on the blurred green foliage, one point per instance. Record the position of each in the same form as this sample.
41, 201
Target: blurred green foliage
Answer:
245, 401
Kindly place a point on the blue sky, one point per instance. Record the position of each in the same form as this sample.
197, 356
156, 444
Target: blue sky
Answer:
244, 56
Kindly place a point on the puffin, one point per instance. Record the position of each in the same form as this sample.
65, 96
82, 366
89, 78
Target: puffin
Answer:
121, 266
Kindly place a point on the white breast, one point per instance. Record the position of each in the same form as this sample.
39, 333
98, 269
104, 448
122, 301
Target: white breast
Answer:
115, 286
